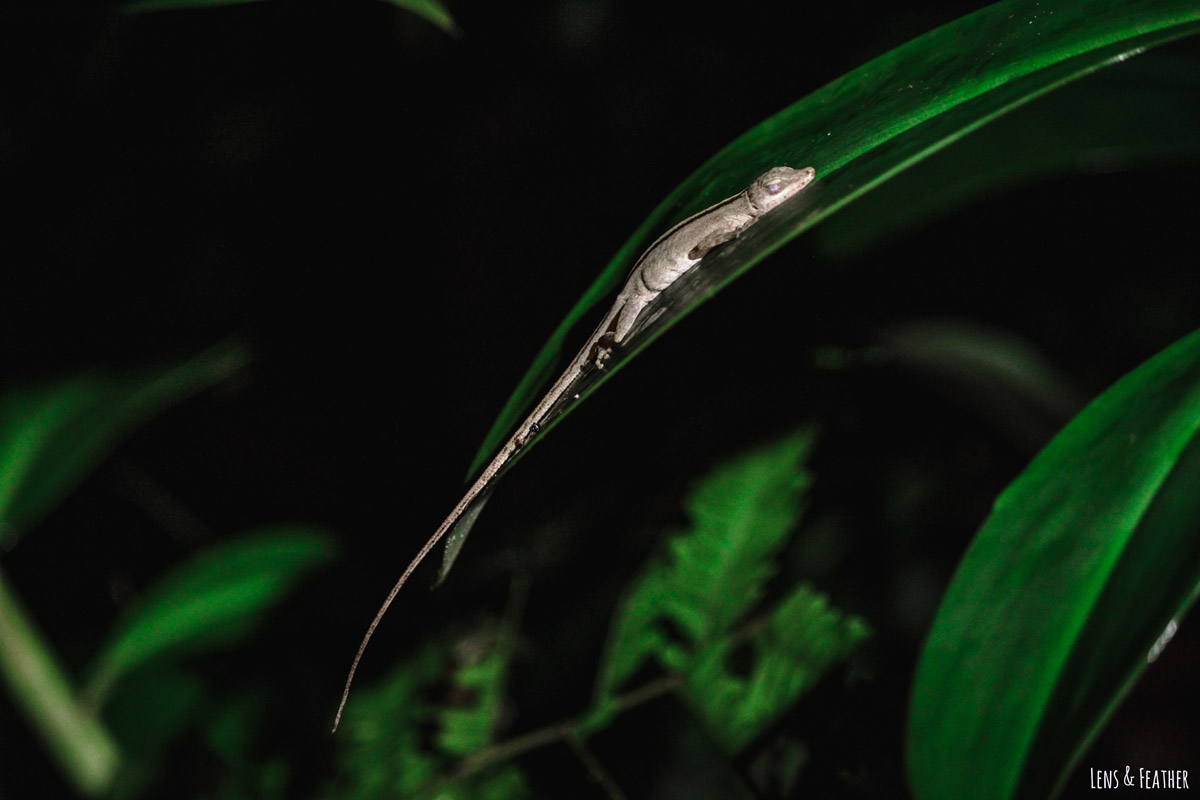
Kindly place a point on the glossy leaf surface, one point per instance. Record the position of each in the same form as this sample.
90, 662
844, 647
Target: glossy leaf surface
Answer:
1052, 614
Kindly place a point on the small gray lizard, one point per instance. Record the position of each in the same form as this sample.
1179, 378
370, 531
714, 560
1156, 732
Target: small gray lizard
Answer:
671, 255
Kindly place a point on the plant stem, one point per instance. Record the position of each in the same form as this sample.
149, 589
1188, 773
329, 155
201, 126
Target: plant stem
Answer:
566, 730
83, 747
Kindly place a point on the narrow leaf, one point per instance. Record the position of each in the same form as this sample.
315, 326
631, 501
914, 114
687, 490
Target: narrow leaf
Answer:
858, 132
211, 601
53, 435
432, 11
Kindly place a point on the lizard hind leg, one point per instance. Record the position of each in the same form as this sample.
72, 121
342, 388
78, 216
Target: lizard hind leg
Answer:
630, 311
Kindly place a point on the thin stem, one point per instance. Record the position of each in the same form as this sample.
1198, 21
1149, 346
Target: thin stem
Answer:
595, 768
83, 747
566, 730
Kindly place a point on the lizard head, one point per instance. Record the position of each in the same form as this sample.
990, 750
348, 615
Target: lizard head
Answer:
777, 185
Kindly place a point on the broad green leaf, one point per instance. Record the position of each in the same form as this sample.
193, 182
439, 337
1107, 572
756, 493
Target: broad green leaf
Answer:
859, 131
1054, 611
53, 435
211, 601
1141, 114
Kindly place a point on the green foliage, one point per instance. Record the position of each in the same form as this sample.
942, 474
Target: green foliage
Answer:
212, 601
53, 435
430, 10
469, 728
86, 752
1037, 639
803, 638
382, 748
742, 515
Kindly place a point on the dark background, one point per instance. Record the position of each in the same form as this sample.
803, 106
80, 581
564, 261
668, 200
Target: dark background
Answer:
397, 219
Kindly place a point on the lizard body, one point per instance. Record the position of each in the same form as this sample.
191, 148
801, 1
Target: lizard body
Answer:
670, 256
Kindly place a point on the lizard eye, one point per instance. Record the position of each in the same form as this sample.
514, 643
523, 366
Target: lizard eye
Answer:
775, 187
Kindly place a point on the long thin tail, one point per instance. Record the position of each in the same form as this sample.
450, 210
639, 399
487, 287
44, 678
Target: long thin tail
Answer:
429, 545
519, 439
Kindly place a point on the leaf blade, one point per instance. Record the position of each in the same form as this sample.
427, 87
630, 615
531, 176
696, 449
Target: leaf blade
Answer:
211, 601
993, 678
54, 435
889, 114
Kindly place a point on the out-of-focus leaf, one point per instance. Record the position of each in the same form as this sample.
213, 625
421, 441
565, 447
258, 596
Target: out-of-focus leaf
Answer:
53, 435
85, 750
430, 10
803, 639
211, 601
742, 515
382, 743
1057, 604
469, 726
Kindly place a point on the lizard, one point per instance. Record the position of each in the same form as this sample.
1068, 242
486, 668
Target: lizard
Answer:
672, 255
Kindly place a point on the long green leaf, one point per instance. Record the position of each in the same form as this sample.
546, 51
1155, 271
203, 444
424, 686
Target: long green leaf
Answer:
211, 601
1084, 561
52, 436
859, 131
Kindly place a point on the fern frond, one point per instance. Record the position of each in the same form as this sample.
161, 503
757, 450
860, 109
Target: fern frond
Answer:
685, 612
742, 515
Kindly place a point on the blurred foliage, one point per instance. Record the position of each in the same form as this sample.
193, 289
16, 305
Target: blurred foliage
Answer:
742, 515
430, 10
383, 751
214, 600
53, 434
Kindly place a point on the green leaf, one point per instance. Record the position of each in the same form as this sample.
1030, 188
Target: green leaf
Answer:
803, 639
742, 516
1053, 613
468, 728
380, 754
52, 436
858, 132
430, 10
212, 601
87, 753
380, 741
1148, 120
